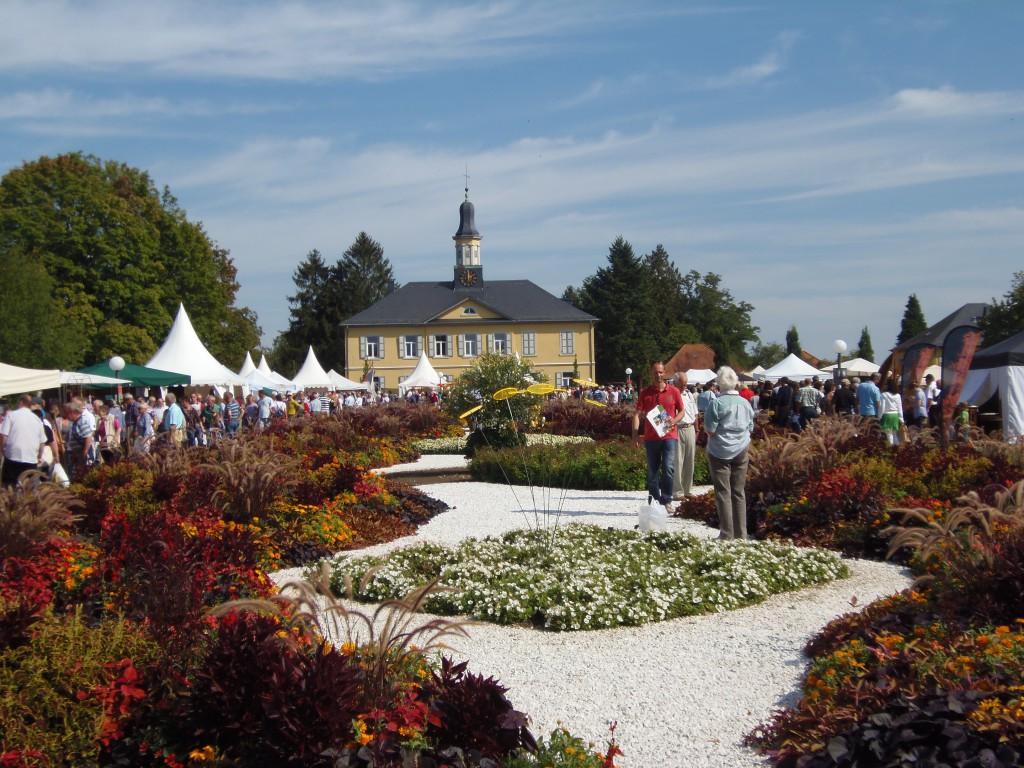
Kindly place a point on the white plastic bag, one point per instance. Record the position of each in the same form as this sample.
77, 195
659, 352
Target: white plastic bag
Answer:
59, 476
653, 517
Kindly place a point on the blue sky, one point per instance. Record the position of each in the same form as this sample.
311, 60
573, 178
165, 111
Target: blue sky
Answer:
826, 158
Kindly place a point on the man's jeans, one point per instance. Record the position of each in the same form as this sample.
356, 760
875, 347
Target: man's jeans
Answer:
661, 457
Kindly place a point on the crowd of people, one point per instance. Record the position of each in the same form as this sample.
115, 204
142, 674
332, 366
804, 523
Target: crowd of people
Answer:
672, 411
62, 440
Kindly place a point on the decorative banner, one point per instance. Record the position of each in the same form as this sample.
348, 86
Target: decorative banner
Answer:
916, 359
957, 352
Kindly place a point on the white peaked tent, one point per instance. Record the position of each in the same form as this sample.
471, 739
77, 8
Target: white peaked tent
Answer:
757, 372
344, 384
700, 376
423, 375
858, 366
183, 352
279, 381
792, 367
247, 367
311, 374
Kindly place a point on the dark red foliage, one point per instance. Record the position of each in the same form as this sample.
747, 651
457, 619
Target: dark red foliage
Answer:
574, 417
263, 699
475, 714
26, 588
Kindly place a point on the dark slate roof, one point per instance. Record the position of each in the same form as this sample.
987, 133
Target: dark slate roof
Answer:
516, 300
968, 314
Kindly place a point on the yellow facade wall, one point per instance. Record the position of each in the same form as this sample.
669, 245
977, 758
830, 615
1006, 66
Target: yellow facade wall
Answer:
548, 357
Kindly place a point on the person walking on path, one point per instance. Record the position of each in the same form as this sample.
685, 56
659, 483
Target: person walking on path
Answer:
686, 448
729, 423
22, 439
662, 404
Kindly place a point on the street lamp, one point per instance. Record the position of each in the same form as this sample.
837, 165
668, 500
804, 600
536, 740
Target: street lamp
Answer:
629, 381
116, 364
838, 346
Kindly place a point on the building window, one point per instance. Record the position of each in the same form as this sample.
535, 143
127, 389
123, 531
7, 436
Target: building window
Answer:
563, 380
470, 343
529, 344
409, 346
441, 345
371, 347
568, 344
469, 310
501, 343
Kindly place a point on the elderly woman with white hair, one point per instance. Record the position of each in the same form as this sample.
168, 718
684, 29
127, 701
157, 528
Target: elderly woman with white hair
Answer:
729, 422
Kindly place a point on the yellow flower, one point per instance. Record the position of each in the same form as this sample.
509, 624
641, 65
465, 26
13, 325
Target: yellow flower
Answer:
202, 755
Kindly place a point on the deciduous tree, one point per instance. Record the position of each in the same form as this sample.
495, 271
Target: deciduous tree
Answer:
121, 256
1005, 318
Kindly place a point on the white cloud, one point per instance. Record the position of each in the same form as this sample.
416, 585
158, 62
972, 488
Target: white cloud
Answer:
293, 41
770, 64
948, 102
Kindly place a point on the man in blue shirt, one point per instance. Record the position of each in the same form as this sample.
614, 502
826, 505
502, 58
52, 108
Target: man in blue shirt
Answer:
869, 397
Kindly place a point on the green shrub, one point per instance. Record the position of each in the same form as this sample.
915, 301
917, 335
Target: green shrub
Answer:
585, 466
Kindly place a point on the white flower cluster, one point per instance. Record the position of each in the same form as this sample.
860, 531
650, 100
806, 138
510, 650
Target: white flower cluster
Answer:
585, 577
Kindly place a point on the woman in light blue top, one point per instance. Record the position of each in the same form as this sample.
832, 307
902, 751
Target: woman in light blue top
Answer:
729, 422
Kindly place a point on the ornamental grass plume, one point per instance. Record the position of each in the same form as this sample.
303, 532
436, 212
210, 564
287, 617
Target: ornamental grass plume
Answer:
386, 637
252, 475
31, 512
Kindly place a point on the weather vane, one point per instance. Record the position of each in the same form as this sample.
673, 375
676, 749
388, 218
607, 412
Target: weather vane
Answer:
466, 174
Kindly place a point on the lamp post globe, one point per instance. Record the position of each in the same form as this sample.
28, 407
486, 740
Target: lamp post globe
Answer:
116, 364
629, 373
838, 346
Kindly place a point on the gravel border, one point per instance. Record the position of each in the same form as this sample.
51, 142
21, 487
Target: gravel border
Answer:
683, 692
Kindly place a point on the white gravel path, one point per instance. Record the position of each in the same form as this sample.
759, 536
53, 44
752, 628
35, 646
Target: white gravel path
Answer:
684, 692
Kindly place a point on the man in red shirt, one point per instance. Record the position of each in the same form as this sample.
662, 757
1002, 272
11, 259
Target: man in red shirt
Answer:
660, 442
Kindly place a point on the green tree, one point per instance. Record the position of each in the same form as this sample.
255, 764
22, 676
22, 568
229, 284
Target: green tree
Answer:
793, 341
721, 322
1005, 318
864, 348
767, 355
617, 295
121, 256
913, 321
491, 373
326, 295
37, 330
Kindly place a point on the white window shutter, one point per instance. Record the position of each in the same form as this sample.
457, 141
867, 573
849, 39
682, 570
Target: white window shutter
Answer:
419, 346
462, 344
431, 345
362, 347
401, 347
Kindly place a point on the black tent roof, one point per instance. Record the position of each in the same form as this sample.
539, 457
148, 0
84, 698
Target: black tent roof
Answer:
1007, 352
968, 314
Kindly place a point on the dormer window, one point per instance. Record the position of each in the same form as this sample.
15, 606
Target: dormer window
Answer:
469, 311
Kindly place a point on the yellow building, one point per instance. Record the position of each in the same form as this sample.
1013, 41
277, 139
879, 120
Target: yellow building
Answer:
457, 320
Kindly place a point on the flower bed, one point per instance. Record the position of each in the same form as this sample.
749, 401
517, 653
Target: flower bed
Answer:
584, 577
110, 655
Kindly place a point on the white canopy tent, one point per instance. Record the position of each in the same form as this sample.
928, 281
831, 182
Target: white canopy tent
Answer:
311, 374
15, 380
282, 382
792, 367
858, 366
700, 375
999, 369
247, 367
757, 372
182, 351
344, 384
423, 375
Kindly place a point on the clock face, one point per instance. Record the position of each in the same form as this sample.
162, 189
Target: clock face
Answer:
467, 277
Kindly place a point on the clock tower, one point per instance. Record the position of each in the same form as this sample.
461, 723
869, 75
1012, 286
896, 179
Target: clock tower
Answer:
468, 271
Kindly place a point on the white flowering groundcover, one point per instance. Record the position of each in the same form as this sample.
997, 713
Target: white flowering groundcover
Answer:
578, 577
